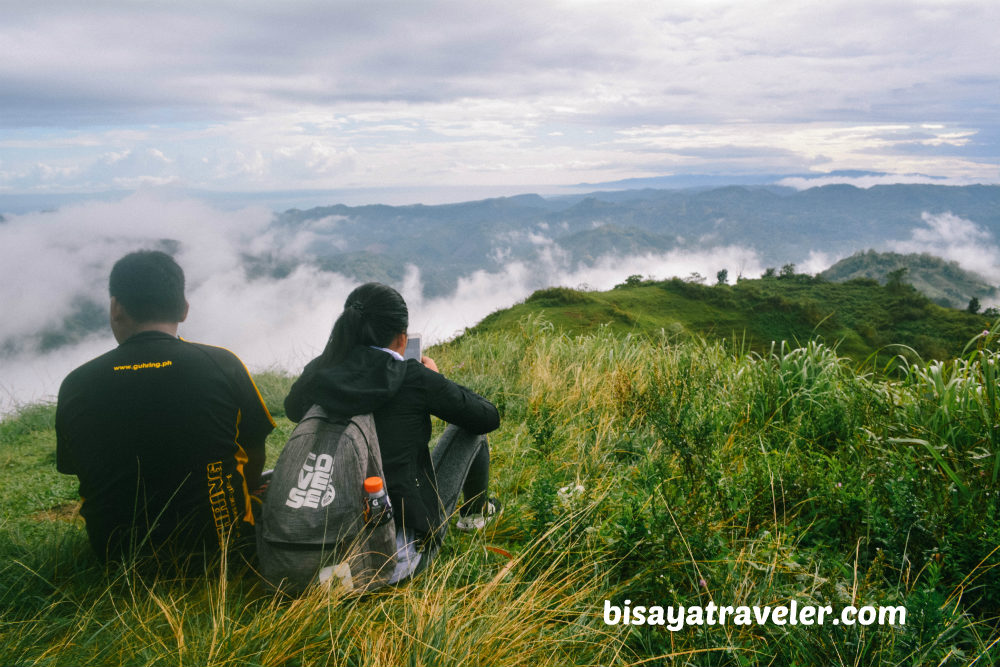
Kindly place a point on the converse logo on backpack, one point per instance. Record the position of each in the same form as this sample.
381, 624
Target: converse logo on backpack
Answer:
314, 488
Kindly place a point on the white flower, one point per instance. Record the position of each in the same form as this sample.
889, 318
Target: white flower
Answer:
569, 494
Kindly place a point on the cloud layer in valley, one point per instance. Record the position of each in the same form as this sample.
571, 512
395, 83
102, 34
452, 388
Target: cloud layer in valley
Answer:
54, 266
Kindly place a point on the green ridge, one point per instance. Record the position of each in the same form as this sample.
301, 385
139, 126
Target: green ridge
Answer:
859, 317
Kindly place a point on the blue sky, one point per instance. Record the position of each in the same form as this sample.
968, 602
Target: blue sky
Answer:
522, 96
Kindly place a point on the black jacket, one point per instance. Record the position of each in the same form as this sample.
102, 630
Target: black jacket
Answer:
402, 395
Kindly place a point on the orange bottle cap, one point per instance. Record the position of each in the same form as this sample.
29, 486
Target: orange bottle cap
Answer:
373, 484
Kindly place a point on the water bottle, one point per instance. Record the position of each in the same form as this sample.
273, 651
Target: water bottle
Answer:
378, 509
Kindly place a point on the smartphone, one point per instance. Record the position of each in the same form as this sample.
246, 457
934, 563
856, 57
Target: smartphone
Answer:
413, 347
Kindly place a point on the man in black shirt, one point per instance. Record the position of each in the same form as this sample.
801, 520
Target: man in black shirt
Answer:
165, 436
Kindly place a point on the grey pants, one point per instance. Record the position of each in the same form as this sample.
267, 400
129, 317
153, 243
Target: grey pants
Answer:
462, 466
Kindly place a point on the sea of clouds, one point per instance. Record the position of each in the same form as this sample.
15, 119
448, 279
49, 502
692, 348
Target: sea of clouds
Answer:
51, 261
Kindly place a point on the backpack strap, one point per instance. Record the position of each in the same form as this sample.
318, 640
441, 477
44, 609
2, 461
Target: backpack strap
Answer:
315, 412
365, 425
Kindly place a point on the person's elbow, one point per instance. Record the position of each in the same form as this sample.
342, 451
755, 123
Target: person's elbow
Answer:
490, 420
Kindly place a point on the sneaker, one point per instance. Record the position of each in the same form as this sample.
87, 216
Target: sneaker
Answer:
473, 522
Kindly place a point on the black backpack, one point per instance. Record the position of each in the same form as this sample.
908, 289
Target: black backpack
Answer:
313, 527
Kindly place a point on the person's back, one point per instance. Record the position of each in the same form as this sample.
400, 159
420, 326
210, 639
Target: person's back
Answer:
362, 370
163, 435
401, 396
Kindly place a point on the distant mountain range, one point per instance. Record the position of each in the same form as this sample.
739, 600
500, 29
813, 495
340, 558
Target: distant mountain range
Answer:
783, 225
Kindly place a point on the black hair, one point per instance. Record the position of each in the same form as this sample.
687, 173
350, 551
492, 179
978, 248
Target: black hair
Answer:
374, 314
149, 284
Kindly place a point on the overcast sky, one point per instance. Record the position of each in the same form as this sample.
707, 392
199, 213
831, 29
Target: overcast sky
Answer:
255, 96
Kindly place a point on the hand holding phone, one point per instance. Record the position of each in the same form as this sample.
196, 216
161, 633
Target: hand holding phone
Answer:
414, 350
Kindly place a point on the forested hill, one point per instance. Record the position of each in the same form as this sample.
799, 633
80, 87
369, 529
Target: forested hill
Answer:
860, 316
944, 282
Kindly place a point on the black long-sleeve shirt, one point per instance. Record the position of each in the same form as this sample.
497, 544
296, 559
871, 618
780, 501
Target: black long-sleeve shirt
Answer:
401, 395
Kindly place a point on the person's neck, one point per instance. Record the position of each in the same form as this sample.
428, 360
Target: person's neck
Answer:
163, 327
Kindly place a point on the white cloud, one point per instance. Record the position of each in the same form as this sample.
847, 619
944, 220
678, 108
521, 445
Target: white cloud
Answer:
817, 262
49, 260
950, 237
815, 146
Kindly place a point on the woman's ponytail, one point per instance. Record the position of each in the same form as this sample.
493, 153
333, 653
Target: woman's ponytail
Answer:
374, 314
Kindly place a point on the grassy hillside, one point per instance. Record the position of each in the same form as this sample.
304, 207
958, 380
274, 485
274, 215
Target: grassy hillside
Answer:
659, 470
943, 282
859, 317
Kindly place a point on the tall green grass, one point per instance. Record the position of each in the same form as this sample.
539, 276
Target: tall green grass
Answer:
660, 469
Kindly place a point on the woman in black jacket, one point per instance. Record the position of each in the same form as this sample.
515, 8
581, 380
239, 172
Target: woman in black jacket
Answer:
362, 371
